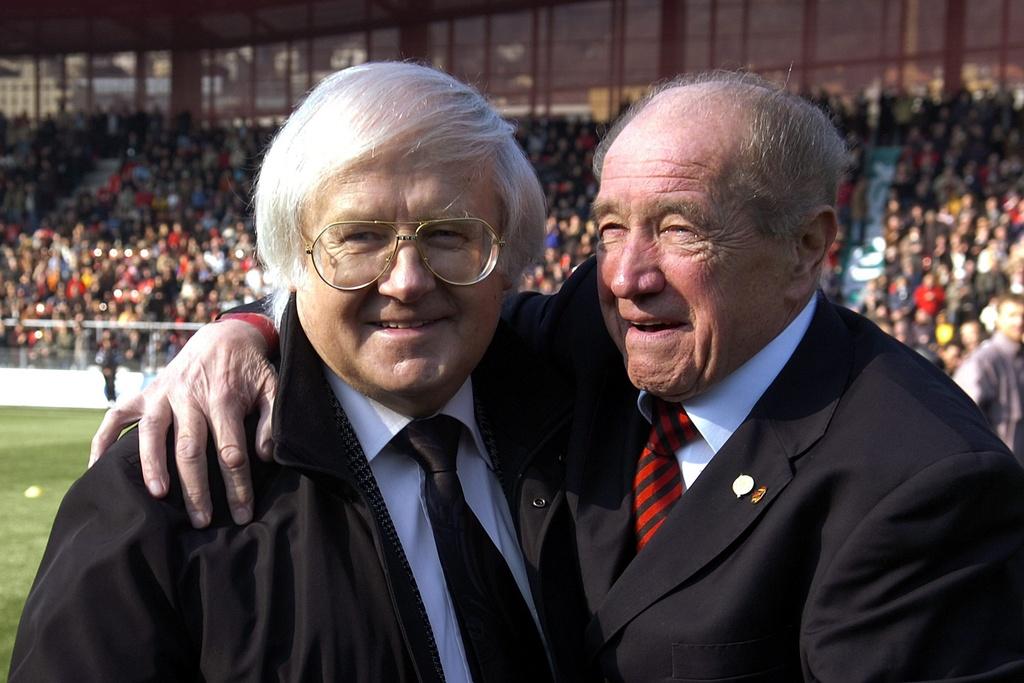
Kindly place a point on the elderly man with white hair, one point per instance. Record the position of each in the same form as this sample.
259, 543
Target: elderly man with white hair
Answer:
395, 209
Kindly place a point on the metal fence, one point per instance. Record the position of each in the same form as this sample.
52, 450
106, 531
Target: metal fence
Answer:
70, 345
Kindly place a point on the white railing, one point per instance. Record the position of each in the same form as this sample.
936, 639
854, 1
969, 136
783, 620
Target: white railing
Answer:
155, 352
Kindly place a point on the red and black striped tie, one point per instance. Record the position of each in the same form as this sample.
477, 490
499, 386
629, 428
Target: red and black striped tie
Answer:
658, 483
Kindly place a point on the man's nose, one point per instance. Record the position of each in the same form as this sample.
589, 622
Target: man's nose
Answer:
407, 278
634, 269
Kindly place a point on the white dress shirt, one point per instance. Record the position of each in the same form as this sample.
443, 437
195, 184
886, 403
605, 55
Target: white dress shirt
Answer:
400, 481
719, 411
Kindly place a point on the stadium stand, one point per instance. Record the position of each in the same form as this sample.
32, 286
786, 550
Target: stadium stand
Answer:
167, 236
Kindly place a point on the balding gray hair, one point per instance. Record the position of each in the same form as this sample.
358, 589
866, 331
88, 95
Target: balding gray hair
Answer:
789, 157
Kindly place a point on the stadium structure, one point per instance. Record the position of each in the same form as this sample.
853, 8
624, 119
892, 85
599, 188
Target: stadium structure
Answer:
130, 133
233, 59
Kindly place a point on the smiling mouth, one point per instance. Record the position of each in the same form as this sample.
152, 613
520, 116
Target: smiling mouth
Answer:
654, 327
406, 325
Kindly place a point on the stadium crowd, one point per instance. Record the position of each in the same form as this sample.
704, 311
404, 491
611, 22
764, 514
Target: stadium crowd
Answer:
952, 224
164, 238
167, 237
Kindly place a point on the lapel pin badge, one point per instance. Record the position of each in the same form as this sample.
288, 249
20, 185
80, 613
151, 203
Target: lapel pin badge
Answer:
743, 485
758, 494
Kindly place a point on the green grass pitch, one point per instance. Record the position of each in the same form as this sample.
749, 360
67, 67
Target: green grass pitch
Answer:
43, 447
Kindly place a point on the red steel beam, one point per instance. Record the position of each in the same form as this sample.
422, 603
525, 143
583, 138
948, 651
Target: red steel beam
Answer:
953, 58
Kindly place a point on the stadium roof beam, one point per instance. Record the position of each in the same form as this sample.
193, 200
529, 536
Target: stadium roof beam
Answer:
52, 27
604, 55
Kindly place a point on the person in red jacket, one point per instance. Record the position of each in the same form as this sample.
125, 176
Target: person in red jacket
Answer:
929, 296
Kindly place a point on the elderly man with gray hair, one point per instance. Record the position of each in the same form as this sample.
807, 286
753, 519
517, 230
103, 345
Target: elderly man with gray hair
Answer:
763, 485
395, 210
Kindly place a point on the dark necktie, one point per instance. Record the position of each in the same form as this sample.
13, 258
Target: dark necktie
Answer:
498, 632
658, 484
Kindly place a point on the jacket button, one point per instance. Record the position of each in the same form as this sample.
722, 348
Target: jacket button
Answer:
540, 502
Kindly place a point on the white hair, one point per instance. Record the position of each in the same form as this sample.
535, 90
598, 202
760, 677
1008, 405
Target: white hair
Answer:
390, 109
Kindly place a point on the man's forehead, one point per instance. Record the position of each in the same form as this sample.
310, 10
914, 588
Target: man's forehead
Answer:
654, 178
672, 161
425, 193
669, 145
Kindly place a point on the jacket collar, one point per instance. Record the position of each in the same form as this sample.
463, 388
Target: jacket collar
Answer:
520, 403
305, 427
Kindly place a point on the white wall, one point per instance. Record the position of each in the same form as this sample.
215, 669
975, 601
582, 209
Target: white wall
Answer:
64, 388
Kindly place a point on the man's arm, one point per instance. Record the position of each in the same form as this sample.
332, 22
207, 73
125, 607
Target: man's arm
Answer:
103, 604
929, 584
557, 326
220, 375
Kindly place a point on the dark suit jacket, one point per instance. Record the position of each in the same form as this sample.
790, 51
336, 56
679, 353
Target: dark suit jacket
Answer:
887, 544
317, 586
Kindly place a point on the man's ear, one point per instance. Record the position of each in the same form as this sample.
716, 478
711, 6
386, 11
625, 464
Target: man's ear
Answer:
815, 240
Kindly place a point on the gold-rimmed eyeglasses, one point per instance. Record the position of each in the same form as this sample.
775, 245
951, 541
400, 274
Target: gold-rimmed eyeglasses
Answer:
349, 255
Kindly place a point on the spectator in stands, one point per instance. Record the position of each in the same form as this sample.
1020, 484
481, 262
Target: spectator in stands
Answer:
956, 204
971, 336
108, 358
103, 266
929, 297
993, 375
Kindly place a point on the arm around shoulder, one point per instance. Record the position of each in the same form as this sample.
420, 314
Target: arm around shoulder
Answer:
556, 326
220, 375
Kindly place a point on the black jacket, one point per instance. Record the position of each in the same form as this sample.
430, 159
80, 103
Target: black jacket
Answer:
317, 586
887, 543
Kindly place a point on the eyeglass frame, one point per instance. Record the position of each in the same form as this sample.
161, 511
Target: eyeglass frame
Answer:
499, 243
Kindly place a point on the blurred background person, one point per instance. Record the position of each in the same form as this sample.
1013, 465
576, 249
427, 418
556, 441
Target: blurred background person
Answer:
993, 375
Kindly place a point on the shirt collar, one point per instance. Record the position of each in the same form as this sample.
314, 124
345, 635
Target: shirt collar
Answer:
375, 424
719, 411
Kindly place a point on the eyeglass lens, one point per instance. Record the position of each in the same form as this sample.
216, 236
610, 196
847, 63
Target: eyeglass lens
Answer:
353, 254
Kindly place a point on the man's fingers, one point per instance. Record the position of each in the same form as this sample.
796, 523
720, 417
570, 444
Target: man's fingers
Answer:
265, 406
190, 454
222, 373
115, 419
153, 447
229, 436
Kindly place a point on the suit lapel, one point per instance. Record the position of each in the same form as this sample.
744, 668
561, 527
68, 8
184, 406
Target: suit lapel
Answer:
684, 545
788, 419
599, 484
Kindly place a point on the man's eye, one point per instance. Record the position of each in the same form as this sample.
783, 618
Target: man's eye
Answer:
611, 234
677, 234
356, 241
445, 239
362, 237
